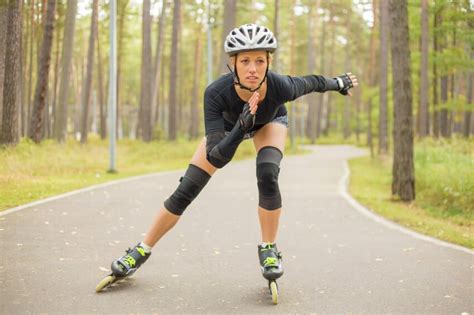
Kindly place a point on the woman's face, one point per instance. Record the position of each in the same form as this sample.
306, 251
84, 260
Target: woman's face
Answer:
251, 67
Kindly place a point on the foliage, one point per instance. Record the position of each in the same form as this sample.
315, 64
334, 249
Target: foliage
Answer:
444, 201
443, 181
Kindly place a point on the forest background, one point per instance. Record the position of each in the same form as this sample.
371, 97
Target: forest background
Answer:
54, 83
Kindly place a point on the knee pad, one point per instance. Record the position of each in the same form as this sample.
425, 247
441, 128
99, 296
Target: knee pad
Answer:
189, 187
268, 168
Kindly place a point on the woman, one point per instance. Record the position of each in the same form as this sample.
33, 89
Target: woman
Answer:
246, 103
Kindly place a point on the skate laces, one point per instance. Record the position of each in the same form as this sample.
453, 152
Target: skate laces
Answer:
270, 262
129, 260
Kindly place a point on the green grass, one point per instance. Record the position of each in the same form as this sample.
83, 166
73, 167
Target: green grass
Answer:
30, 172
444, 179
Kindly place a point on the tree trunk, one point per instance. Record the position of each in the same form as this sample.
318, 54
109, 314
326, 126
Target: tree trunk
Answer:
230, 10
146, 76
30, 65
383, 77
372, 77
43, 70
312, 98
102, 107
435, 75
322, 71
276, 30
452, 111
292, 72
194, 127
328, 96
3, 36
172, 125
9, 134
443, 115
403, 183
358, 102
155, 104
424, 85
122, 18
87, 93
52, 120
60, 126
468, 111
346, 115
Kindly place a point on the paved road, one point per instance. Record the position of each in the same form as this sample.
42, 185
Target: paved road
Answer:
336, 259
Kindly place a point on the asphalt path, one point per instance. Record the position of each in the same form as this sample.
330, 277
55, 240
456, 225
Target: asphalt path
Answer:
338, 256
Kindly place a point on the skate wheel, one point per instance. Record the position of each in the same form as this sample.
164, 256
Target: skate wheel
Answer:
105, 283
274, 291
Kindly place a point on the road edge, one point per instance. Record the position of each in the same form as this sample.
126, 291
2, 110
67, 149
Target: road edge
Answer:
343, 190
81, 190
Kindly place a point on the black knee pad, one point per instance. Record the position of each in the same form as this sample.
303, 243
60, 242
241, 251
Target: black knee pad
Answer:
189, 187
268, 168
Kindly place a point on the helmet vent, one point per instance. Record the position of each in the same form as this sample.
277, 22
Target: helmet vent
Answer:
250, 37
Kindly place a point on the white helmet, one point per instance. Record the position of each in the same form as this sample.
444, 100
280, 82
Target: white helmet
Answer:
250, 37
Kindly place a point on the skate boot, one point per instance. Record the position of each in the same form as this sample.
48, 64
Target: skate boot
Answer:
126, 265
270, 261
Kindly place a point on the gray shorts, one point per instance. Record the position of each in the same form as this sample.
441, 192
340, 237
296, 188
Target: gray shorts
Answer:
283, 120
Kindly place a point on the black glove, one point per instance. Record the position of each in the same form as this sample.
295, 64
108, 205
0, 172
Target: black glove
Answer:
246, 119
345, 83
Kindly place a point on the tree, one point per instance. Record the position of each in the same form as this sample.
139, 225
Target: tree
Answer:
443, 114
172, 125
312, 98
330, 70
194, 125
383, 78
60, 125
9, 134
436, 22
468, 112
3, 33
87, 93
158, 62
39, 102
371, 77
424, 86
100, 83
322, 69
403, 181
276, 31
229, 23
146, 75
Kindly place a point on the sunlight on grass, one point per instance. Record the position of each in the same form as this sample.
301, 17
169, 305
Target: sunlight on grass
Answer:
444, 203
30, 172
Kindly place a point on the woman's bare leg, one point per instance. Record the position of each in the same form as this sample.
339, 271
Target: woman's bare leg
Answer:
273, 134
165, 220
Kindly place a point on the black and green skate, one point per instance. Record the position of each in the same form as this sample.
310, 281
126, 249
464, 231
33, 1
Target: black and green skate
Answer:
272, 269
124, 267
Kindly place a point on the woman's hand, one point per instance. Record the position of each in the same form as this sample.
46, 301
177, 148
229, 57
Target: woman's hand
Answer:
346, 82
247, 118
253, 102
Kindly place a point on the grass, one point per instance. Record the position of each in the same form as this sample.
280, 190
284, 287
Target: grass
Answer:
444, 176
30, 172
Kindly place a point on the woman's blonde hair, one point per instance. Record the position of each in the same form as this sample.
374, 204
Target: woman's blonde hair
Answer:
232, 58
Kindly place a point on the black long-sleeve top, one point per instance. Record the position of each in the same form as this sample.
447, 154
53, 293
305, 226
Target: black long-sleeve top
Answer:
222, 105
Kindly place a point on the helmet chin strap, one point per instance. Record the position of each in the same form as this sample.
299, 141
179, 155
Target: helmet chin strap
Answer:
237, 79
